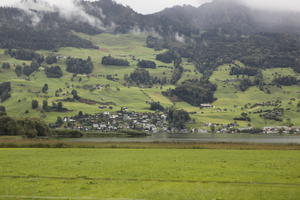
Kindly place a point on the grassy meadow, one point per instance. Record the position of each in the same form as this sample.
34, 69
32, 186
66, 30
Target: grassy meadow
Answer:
152, 174
230, 100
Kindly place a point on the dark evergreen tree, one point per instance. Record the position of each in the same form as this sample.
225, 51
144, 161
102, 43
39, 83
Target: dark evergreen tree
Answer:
45, 88
34, 104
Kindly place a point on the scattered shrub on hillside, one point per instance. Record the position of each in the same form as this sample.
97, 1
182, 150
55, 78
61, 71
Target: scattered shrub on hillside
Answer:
243, 117
275, 114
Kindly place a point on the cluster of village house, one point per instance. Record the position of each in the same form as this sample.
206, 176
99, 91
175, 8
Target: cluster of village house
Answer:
157, 123
124, 119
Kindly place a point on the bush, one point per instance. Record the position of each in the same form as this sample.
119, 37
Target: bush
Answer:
133, 133
67, 133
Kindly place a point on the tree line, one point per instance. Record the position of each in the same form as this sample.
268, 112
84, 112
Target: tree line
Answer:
79, 66
109, 60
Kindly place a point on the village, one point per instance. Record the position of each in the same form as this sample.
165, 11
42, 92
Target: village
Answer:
120, 120
155, 123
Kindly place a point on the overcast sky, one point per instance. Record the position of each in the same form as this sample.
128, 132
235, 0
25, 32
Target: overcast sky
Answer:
151, 6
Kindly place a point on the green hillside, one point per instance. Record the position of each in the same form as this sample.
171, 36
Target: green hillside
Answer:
230, 103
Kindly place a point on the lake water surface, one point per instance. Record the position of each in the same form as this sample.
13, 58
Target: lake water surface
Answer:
245, 138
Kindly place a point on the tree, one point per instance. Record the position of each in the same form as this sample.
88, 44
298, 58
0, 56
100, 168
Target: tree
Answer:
108, 60
8, 126
75, 95
79, 66
45, 106
19, 70
177, 118
141, 76
60, 106
245, 84
80, 114
59, 122
45, 88
5, 65
194, 92
5, 89
2, 111
286, 81
147, 64
34, 104
156, 106
51, 59
53, 72
166, 57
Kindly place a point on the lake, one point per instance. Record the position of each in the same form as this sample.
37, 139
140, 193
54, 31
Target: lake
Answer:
242, 138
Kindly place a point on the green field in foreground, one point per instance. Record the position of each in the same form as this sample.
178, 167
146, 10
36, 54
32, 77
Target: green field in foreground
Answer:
162, 174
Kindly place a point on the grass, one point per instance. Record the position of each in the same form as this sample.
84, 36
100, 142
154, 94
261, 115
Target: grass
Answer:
149, 174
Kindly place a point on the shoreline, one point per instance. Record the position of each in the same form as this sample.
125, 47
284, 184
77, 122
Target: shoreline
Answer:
54, 143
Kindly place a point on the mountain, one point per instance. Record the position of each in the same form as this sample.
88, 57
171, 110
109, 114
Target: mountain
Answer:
94, 57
